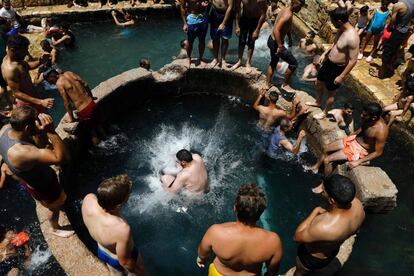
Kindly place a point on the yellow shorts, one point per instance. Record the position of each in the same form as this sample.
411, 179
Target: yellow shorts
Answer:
212, 271
55, 204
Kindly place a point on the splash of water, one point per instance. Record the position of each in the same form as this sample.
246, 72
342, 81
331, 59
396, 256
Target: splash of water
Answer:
38, 258
223, 164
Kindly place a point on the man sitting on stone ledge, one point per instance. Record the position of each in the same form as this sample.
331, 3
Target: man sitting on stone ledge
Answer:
322, 233
361, 146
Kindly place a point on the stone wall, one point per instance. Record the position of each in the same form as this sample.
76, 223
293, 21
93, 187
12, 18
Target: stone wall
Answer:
35, 3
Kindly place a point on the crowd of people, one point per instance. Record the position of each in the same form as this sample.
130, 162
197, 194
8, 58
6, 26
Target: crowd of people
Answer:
29, 144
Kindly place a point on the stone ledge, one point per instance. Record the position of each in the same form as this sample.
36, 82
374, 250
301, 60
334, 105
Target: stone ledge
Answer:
71, 253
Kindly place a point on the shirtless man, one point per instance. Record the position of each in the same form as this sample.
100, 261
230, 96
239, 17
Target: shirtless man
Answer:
342, 57
279, 144
276, 46
343, 116
221, 19
102, 218
193, 177
321, 234
16, 73
362, 146
242, 247
311, 70
76, 91
195, 24
126, 21
250, 16
29, 163
308, 44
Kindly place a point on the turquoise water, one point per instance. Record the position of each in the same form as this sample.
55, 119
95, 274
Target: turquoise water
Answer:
385, 244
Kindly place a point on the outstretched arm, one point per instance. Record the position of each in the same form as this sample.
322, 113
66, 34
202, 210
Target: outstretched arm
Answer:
258, 99
205, 247
273, 264
307, 72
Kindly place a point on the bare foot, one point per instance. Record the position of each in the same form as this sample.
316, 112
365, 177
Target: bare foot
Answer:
63, 233
213, 63
224, 64
318, 189
249, 68
235, 66
310, 168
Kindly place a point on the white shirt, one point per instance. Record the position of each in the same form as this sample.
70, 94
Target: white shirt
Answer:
10, 15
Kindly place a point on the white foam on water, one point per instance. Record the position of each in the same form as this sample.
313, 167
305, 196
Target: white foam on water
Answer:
223, 165
261, 51
38, 258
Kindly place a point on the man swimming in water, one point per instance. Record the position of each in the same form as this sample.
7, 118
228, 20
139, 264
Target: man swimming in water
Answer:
102, 218
321, 234
193, 176
279, 144
311, 70
362, 146
308, 44
242, 247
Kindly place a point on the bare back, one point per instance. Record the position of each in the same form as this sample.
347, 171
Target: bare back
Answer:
104, 228
345, 47
334, 228
268, 116
195, 6
241, 249
196, 178
73, 86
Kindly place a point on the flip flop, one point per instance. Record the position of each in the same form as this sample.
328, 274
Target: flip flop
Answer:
312, 104
289, 91
317, 189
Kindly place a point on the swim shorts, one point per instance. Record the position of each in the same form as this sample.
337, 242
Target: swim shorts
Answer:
212, 271
197, 26
215, 20
285, 55
328, 73
392, 46
247, 28
87, 114
113, 262
352, 149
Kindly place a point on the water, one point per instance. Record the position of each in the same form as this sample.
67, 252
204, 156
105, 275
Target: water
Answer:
224, 132
384, 246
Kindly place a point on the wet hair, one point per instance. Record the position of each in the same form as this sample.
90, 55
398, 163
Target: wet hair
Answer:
22, 116
17, 41
312, 34
184, 155
364, 9
339, 14
348, 106
48, 72
145, 63
285, 123
113, 191
341, 189
411, 49
273, 96
45, 45
250, 203
372, 110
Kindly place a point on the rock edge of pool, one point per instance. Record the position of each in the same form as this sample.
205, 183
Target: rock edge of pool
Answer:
374, 188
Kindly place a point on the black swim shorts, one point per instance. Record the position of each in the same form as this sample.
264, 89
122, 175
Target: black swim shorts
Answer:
392, 46
247, 28
328, 73
285, 55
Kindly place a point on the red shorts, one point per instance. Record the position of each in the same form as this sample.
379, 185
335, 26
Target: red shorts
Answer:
87, 113
352, 149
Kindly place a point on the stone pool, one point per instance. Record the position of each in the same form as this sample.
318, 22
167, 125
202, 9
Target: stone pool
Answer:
384, 246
